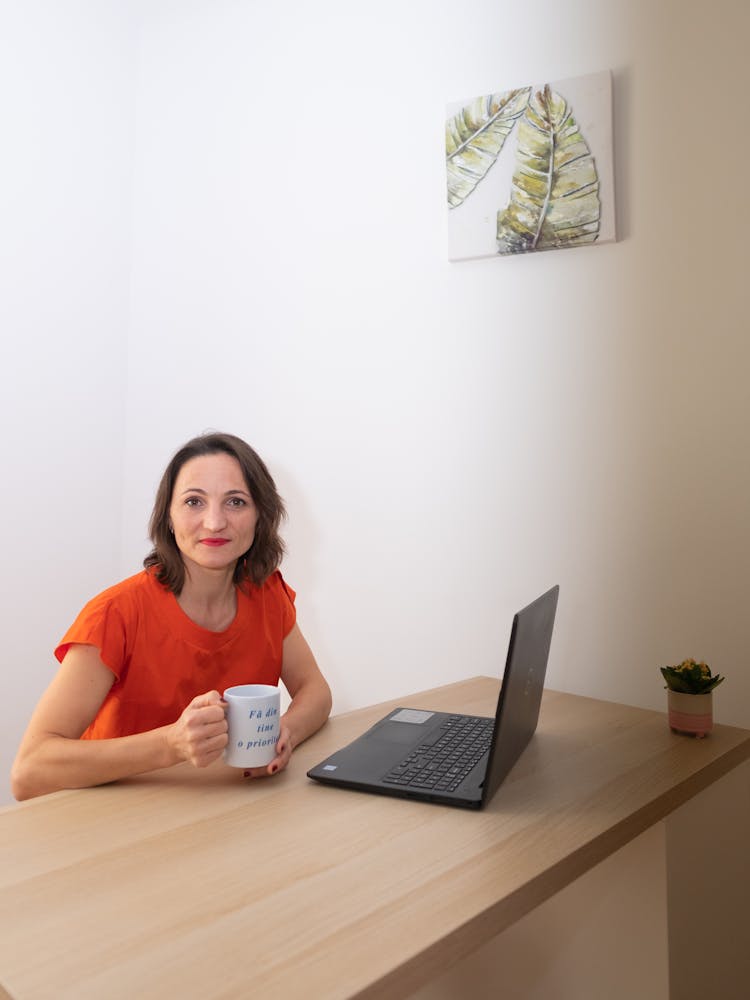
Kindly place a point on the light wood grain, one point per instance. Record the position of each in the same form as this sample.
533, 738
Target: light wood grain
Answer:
202, 884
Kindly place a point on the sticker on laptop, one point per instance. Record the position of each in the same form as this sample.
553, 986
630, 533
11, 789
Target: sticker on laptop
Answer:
413, 715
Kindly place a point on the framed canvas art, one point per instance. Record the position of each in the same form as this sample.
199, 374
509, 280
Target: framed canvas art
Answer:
531, 168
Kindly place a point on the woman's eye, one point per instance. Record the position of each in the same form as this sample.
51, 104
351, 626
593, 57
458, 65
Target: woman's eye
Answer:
192, 501
237, 502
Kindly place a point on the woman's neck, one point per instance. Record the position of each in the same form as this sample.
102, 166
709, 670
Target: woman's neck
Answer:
208, 599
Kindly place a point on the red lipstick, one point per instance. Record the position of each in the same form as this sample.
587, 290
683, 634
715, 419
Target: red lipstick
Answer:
214, 542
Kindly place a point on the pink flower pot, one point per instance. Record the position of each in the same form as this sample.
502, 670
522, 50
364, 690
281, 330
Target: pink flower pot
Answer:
690, 713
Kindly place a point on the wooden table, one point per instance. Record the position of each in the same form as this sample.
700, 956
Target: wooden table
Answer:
199, 884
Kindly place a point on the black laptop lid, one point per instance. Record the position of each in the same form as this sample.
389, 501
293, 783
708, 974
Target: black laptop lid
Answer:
521, 691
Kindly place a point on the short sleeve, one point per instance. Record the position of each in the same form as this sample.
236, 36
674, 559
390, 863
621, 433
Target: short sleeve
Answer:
287, 597
99, 624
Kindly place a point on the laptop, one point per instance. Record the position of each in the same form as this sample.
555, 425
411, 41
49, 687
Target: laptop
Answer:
456, 760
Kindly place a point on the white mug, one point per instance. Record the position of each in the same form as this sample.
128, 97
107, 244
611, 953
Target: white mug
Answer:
253, 719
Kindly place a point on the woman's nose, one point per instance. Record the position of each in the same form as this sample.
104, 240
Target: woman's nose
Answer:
215, 517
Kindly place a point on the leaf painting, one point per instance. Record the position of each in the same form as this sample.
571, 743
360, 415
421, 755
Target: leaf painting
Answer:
474, 137
531, 168
555, 189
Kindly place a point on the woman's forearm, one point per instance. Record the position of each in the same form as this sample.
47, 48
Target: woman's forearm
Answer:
308, 711
51, 763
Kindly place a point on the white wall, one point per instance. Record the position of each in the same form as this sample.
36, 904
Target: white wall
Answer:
66, 72
451, 438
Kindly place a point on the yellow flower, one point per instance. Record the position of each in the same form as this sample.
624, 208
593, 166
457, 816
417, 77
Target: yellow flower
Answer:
687, 665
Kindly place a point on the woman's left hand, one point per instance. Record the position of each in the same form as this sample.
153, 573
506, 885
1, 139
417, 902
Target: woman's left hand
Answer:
309, 707
280, 761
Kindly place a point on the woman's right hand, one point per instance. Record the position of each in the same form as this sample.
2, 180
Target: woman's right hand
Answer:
201, 732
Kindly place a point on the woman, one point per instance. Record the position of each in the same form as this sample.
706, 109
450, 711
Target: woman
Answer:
143, 665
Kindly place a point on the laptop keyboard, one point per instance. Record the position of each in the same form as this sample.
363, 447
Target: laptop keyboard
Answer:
444, 764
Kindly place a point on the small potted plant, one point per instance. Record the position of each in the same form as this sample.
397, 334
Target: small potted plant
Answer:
689, 694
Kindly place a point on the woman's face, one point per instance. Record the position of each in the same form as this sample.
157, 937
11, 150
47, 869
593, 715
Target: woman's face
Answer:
212, 512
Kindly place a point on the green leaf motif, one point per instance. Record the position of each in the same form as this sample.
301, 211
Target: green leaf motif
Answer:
690, 677
555, 190
474, 137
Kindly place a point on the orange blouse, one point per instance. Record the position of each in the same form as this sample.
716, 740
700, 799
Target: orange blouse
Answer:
161, 659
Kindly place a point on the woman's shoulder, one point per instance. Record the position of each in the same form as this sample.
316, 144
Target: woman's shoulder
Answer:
275, 583
270, 602
274, 588
132, 590
106, 620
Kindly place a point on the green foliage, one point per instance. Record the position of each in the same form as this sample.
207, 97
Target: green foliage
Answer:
554, 197
690, 677
555, 190
475, 136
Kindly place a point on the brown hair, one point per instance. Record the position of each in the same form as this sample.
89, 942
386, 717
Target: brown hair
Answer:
263, 556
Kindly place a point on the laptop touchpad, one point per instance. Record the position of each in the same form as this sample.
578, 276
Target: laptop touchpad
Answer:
403, 727
414, 715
